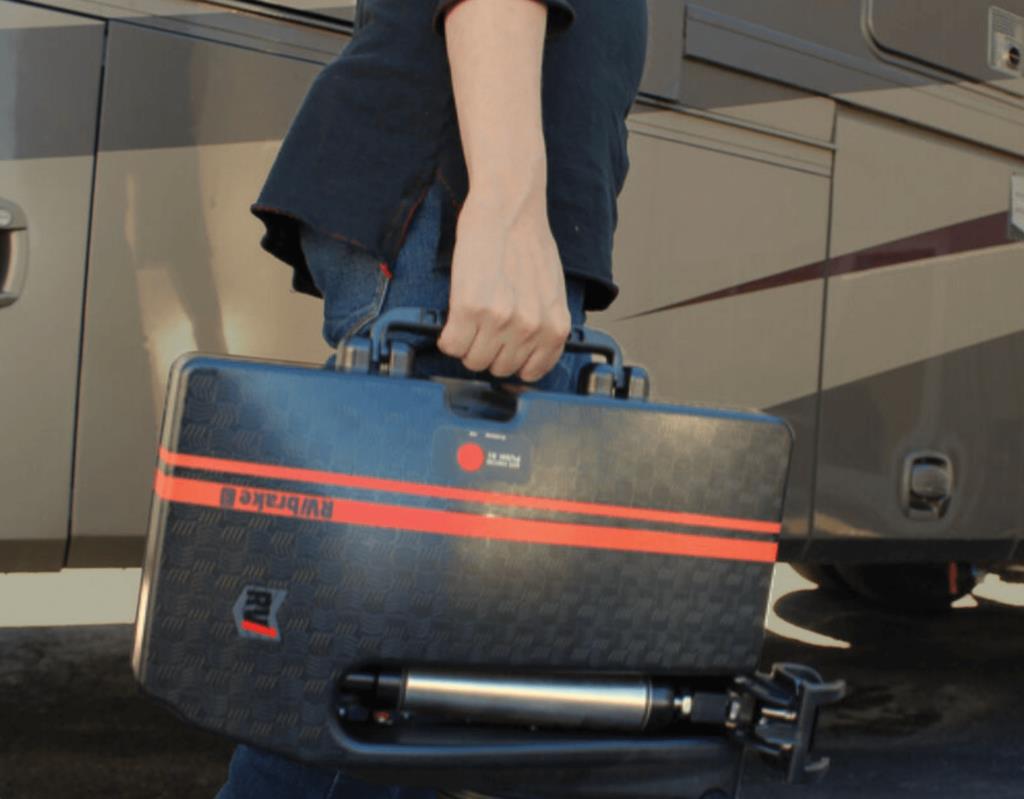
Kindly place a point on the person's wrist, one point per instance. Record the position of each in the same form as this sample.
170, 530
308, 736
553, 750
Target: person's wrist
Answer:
511, 189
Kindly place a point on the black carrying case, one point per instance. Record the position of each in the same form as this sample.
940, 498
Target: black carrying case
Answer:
308, 523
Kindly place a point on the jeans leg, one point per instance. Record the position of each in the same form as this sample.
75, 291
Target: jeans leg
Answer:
258, 774
355, 287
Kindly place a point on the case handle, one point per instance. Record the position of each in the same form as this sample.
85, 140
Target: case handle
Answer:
374, 351
432, 321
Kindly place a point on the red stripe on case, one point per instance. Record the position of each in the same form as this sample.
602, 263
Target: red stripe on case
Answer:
301, 475
454, 523
259, 629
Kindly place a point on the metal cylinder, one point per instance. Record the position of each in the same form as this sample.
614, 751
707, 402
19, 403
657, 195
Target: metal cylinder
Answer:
591, 703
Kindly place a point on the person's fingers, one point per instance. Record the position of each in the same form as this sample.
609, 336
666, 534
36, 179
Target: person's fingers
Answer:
458, 334
483, 350
550, 346
520, 339
539, 364
511, 358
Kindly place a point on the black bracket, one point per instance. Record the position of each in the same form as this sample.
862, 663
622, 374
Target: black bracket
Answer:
776, 714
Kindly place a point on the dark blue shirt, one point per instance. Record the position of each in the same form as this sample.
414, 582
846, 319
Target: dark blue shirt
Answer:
378, 127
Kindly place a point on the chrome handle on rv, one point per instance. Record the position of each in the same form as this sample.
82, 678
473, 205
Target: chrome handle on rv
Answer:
13, 252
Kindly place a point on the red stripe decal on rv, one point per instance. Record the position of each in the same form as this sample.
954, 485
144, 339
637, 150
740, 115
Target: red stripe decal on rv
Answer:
213, 494
966, 236
299, 475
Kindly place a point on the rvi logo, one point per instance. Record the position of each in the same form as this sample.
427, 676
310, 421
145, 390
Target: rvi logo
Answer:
256, 612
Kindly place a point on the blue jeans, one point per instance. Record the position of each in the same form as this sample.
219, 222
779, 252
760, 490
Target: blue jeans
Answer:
356, 290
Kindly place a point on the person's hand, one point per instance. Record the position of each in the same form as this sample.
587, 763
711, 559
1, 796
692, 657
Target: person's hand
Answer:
507, 311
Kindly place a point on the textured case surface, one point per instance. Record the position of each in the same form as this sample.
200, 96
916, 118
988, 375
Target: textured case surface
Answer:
306, 523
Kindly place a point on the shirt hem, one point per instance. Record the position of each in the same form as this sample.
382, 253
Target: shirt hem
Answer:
281, 239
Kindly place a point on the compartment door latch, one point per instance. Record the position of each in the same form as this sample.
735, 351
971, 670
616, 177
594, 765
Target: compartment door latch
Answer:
927, 485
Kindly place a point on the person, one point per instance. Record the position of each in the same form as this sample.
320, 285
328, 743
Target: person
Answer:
463, 155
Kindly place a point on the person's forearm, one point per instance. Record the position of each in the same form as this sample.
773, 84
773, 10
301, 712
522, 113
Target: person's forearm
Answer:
495, 49
507, 310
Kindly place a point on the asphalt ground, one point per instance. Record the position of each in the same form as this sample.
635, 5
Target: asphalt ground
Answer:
936, 706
